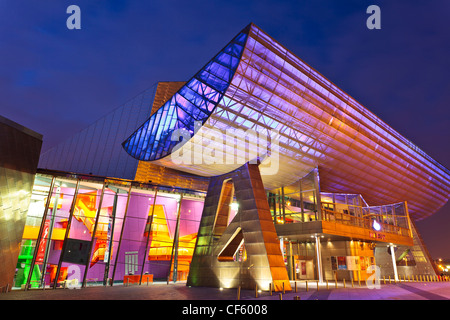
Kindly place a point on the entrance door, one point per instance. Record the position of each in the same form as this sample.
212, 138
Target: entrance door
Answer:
304, 269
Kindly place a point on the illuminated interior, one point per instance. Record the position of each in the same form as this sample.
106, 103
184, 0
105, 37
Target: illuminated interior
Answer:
122, 249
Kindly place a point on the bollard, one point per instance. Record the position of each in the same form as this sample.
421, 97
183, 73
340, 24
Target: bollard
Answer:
335, 284
344, 283
296, 298
280, 295
239, 293
256, 290
327, 284
352, 283
384, 279
306, 286
389, 279
317, 282
270, 288
295, 286
283, 288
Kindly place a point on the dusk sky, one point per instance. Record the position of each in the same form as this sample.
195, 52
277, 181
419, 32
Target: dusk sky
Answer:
57, 81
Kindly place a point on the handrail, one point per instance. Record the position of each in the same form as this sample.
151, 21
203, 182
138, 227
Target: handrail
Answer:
343, 218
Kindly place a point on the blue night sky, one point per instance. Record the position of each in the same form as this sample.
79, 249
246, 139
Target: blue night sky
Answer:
57, 81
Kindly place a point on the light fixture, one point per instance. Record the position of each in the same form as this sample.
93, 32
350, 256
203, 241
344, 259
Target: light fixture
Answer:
376, 226
234, 206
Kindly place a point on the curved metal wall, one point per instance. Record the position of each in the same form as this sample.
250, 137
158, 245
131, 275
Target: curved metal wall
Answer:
319, 125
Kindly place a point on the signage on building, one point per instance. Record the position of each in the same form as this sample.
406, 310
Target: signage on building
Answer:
378, 236
43, 243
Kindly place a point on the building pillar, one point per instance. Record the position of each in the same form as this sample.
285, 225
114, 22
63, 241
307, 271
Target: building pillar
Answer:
212, 262
319, 258
394, 263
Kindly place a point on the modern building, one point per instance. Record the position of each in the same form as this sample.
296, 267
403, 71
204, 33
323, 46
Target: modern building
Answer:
256, 171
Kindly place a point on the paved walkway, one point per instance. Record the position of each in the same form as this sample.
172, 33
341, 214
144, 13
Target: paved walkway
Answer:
179, 291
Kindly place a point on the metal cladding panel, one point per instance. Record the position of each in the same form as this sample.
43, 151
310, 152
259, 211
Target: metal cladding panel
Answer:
97, 149
19, 154
212, 262
319, 125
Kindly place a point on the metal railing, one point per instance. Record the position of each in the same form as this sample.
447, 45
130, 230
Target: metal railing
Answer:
366, 223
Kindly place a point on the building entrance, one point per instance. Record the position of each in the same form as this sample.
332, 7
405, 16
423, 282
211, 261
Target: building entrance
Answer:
304, 269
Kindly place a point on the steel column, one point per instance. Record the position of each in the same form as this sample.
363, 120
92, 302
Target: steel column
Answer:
41, 230
148, 235
66, 234
97, 216
121, 234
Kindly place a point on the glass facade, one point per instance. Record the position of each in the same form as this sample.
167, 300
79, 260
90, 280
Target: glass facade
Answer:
93, 231
297, 202
302, 201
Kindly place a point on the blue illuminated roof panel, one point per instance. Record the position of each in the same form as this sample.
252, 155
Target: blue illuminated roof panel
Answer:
194, 102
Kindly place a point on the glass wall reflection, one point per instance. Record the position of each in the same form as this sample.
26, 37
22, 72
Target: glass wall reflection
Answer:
106, 232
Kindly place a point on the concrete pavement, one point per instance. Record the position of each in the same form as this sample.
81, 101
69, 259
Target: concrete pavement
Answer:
179, 291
